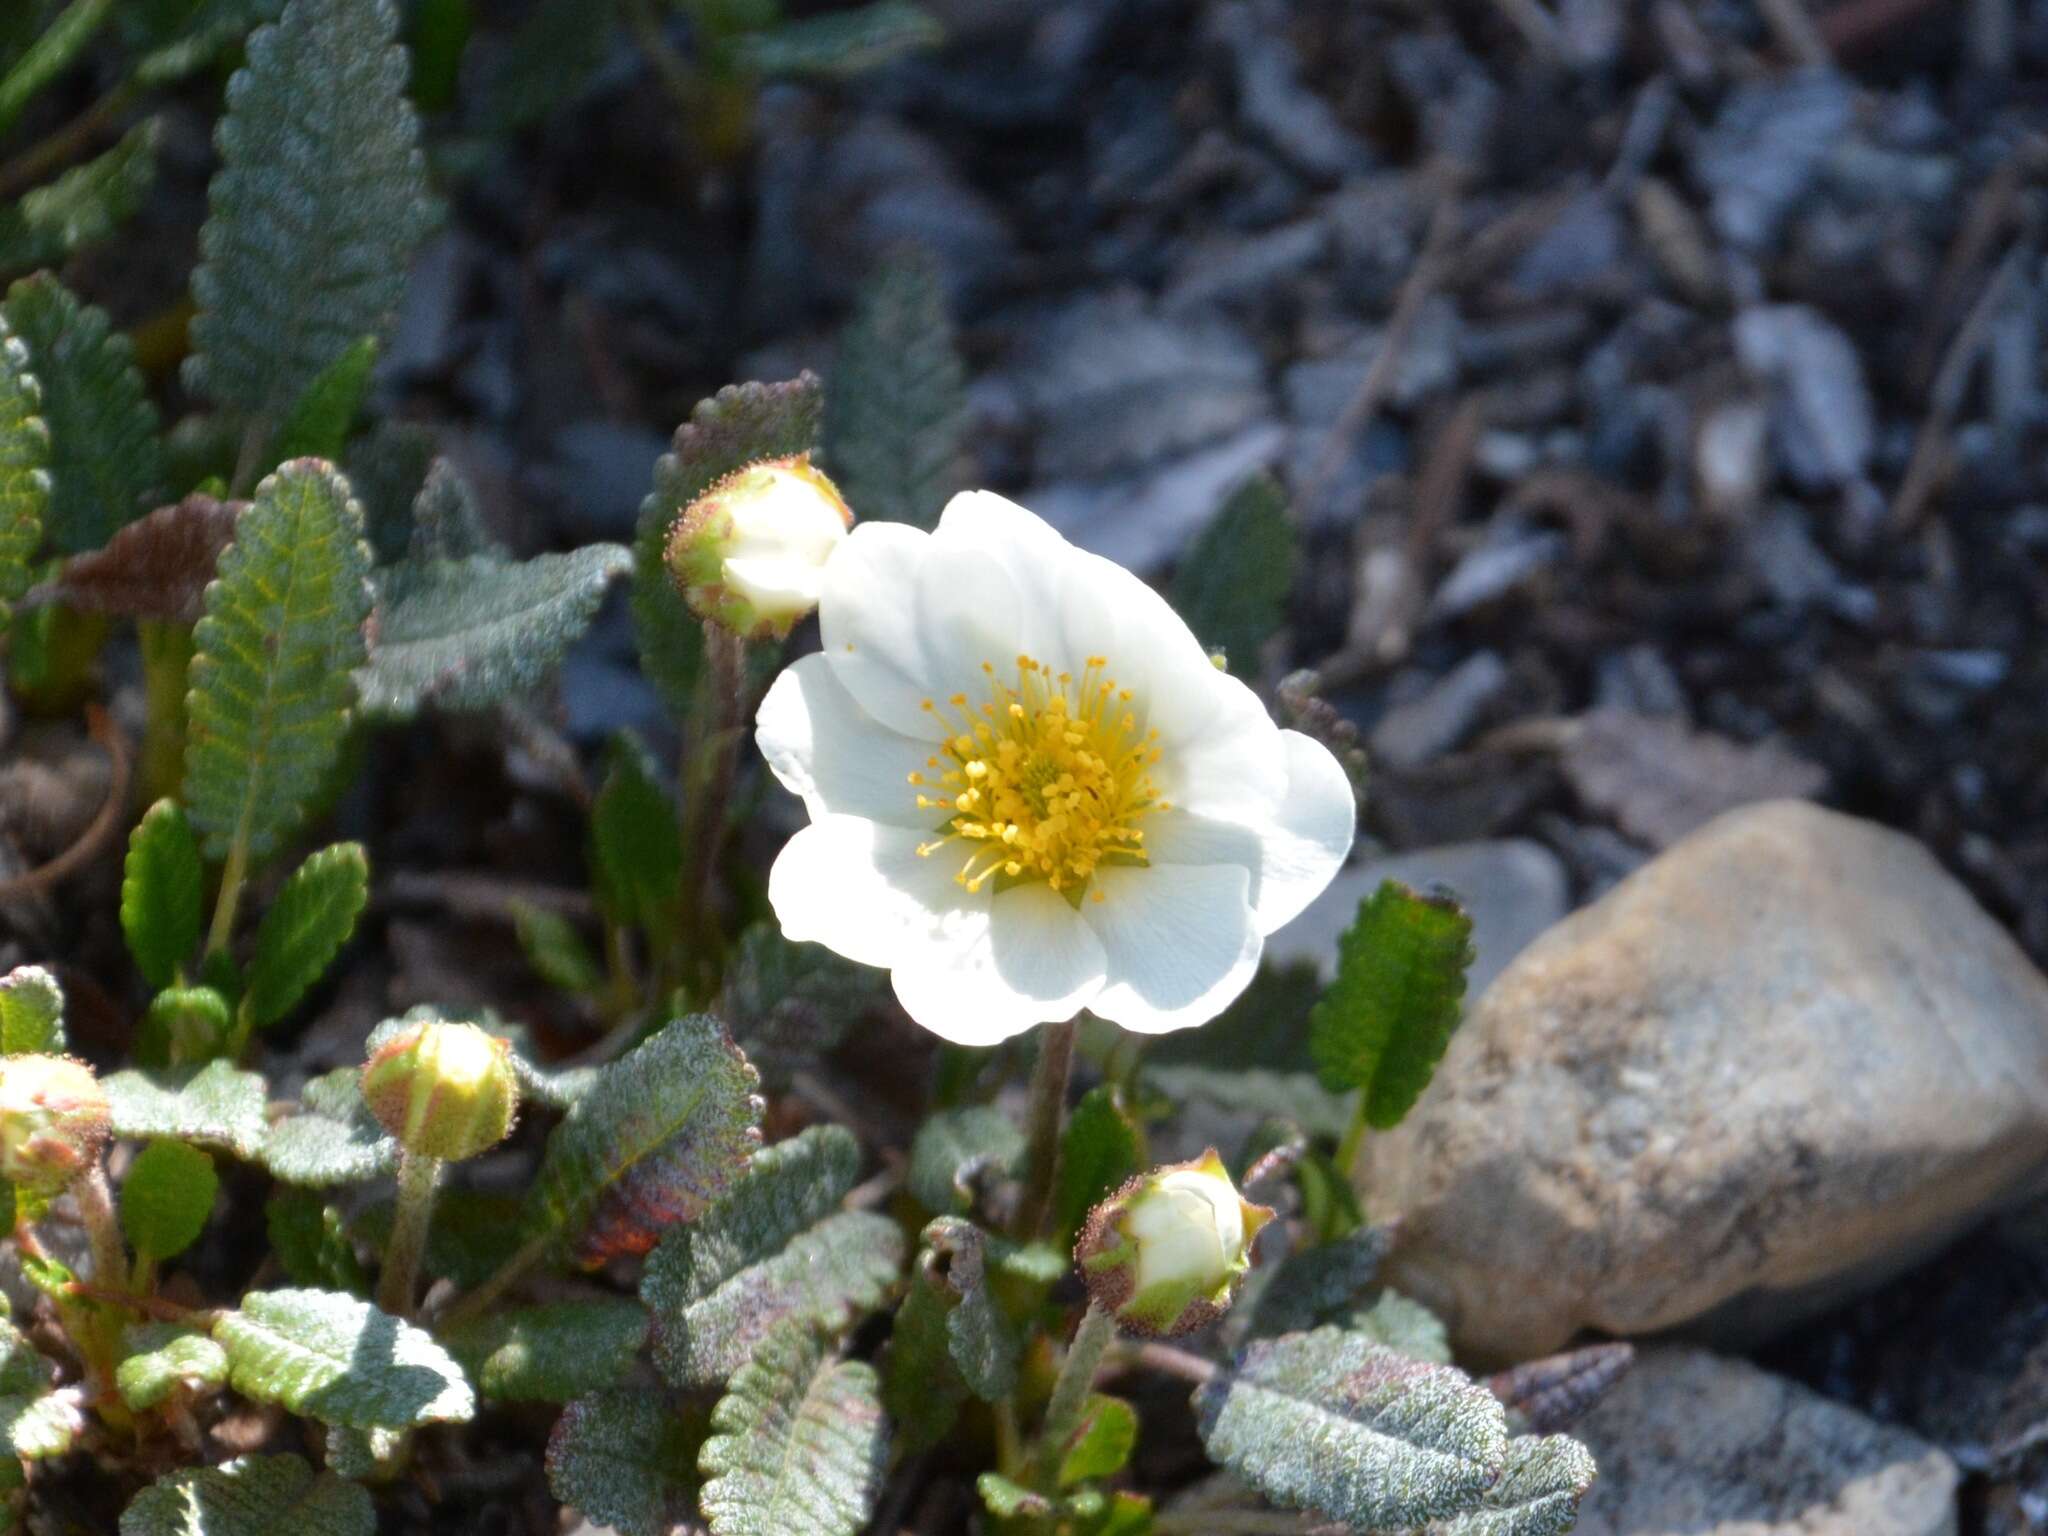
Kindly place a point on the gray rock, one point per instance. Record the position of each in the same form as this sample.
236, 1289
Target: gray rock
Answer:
1318, 389
1787, 1059
1821, 413
1272, 102
602, 470
1585, 243
1691, 1442
1511, 554
1412, 733
1514, 889
1231, 269
1766, 149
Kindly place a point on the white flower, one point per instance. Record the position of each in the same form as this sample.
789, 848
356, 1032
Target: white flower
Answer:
750, 552
1031, 791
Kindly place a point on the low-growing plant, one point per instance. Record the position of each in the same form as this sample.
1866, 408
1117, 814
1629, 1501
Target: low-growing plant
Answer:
1048, 802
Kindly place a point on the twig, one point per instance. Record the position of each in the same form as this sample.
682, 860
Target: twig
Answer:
1796, 32
100, 727
1537, 26
1167, 1360
1989, 214
151, 1306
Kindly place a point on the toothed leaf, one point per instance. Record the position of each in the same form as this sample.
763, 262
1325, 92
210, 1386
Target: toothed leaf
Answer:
106, 462
31, 1013
163, 1358
315, 210
216, 1106
166, 1198
283, 631
251, 1496
446, 525
626, 1460
798, 1443
162, 888
1382, 1026
34, 1428
980, 1338
1538, 1494
155, 568
24, 470
84, 205
656, 1140
333, 1139
333, 1358
552, 1352
1232, 585
1405, 1326
313, 914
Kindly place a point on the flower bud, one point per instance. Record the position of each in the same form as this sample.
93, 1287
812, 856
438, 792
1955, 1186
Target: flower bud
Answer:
749, 554
54, 1121
446, 1091
1165, 1253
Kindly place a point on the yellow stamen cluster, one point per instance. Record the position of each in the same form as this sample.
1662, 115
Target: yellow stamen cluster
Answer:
1046, 780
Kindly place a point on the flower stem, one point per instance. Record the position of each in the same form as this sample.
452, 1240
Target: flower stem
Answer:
418, 1177
1048, 1114
1070, 1391
96, 1209
717, 760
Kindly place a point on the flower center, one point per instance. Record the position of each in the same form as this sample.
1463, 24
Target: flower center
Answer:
1046, 780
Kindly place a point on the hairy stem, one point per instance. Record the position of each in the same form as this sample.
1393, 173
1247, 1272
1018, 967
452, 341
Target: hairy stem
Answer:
1048, 1115
96, 1209
708, 787
418, 1178
1070, 1391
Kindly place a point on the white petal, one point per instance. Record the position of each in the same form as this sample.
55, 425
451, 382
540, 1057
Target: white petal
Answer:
860, 889
775, 584
1036, 962
824, 747
868, 613
1180, 940
1292, 853
967, 611
1058, 620
1234, 768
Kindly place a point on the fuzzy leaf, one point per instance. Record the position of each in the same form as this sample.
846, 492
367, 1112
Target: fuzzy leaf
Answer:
339, 1360
162, 888
23, 1372
84, 205
1101, 1443
1384, 1022
163, 1359
283, 631
1319, 1285
734, 428
445, 522
626, 1460
470, 633
106, 463
251, 1496
333, 1139
1232, 587
1405, 1326
921, 1386
840, 44
155, 568
31, 1013
320, 423
24, 470
1098, 1152
1331, 1422
166, 1198
1538, 1494
798, 1443
216, 1106
1295, 1097
659, 1136
980, 1338
34, 1428
316, 208
897, 402
777, 1247
636, 844
955, 1149
388, 467
555, 950
791, 1004
550, 1353
183, 1024
314, 912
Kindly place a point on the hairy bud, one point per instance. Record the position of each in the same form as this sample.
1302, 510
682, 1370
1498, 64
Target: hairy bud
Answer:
749, 554
1166, 1252
445, 1091
54, 1121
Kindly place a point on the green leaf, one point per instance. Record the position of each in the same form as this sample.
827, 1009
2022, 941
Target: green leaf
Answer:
839, 44
659, 1136
308, 921
555, 950
339, 1360
166, 1198
1406, 1326
84, 205
218, 1106
742, 423
271, 687
776, 1248
471, 633
208, 31
791, 1004
550, 1353
1323, 1284
897, 403
446, 525
31, 1013
548, 59
1538, 1494
320, 423
1331, 1422
1098, 1152
251, 1496
183, 1024
106, 463
955, 1149
921, 1386
316, 208
626, 1460
1384, 1022
798, 1443
162, 1359
1232, 586
636, 844
24, 470
34, 1428
310, 1240
49, 56
1101, 1443
23, 1372
333, 1139
162, 889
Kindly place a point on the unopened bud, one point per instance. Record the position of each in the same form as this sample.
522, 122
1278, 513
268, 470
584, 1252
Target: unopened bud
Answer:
446, 1091
749, 554
1166, 1252
54, 1121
